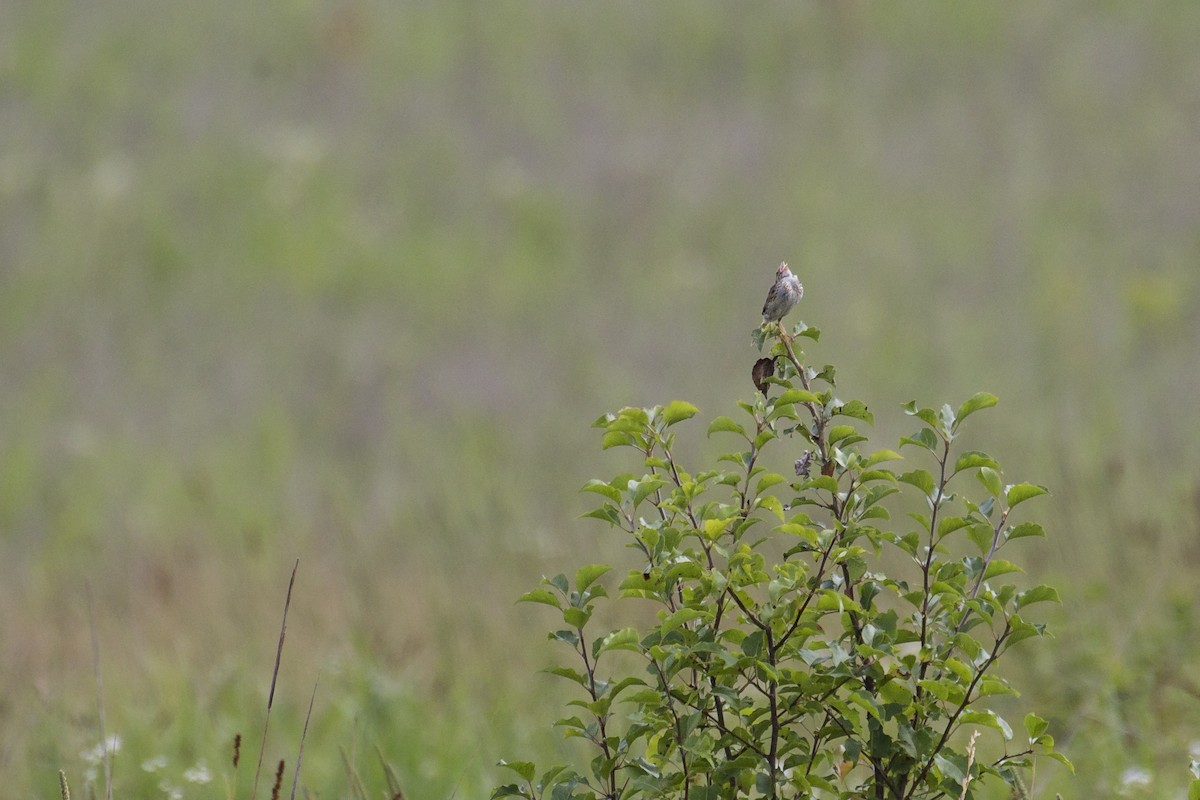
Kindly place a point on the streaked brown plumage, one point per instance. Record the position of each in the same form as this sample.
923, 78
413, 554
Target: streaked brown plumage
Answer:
785, 293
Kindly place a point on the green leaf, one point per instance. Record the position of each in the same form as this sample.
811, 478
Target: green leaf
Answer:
638, 416
679, 410
793, 396
949, 525
729, 478
1038, 594
752, 645
725, 424
949, 768
568, 673
829, 600
625, 683
715, 527
1021, 492
1066, 762
944, 587
763, 438
1035, 726
939, 689
600, 487
598, 707
806, 532
922, 438
767, 481
569, 637
576, 617
624, 639
821, 482
874, 494
980, 401
981, 535
992, 686
523, 768
960, 670
543, 596
551, 774
1022, 630
880, 456
909, 543
630, 423
878, 512
759, 337
865, 701
988, 719
943, 689
867, 592
1000, 567
985, 508
1025, 529
606, 513
771, 503
643, 489
587, 575
919, 478
856, 409
974, 459
990, 479
617, 439
894, 691
926, 415
845, 434
680, 617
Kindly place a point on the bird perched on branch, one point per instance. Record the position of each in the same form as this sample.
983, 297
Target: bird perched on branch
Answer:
785, 293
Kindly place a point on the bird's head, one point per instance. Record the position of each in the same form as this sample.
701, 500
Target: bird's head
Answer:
783, 270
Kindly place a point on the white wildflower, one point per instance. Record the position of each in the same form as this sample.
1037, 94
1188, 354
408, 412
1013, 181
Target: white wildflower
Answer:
1134, 778
154, 764
198, 774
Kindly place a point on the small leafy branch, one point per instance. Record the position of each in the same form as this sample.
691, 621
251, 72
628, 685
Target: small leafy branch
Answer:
785, 661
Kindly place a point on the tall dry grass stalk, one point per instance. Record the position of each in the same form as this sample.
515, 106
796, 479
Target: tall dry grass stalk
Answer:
393, 780
274, 677
303, 736
970, 762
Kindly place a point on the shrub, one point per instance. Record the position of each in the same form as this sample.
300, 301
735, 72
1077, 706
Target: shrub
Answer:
807, 644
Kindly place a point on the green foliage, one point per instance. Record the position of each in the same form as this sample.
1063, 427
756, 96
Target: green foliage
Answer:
808, 643
277, 279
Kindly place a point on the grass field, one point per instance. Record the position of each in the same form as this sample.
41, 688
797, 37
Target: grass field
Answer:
347, 281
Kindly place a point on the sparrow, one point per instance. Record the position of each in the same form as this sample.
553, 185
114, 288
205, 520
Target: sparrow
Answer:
785, 293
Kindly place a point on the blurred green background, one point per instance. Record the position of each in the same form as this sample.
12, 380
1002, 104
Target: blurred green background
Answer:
347, 281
